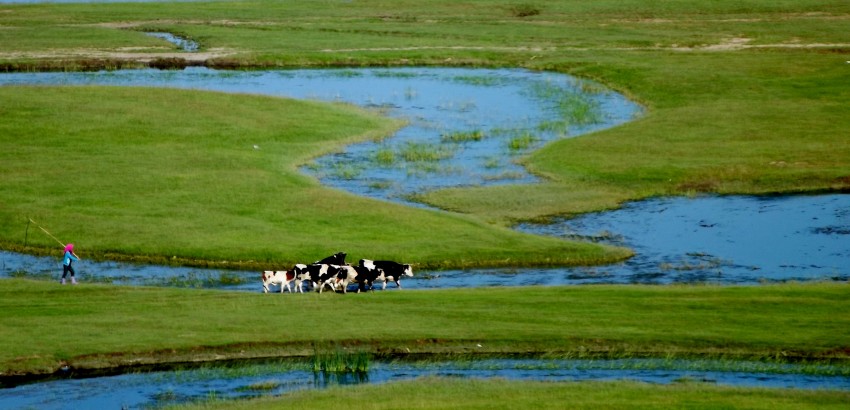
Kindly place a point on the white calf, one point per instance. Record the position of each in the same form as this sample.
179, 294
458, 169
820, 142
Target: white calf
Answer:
280, 277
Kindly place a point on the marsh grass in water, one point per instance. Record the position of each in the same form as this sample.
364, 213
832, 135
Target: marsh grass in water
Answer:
522, 142
572, 104
463, 136
346, 170
384, 156
341, 361
425, 152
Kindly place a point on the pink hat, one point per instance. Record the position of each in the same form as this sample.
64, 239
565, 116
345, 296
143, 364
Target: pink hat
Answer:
69, 247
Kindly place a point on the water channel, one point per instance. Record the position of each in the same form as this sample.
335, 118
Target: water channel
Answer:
726, 240
712, 239
155, 389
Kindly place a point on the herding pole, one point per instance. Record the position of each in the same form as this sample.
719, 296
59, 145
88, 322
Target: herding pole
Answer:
45, 231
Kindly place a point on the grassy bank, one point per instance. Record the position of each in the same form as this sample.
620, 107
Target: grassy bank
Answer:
46, 325
442, 393
743, 97
199, 177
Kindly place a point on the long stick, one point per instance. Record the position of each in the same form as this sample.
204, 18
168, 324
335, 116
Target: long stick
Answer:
45, 231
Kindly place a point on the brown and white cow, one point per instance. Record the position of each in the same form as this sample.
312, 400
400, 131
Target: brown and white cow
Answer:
280, 277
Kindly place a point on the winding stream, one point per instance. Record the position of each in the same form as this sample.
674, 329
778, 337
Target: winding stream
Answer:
726, 240
155, 389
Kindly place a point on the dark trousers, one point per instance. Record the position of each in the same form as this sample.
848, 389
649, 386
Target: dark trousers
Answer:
67, 268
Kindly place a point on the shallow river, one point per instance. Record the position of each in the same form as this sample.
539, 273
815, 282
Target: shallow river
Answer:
727, 240
154, 389
741, 240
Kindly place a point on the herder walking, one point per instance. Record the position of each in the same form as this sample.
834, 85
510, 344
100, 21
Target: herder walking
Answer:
67, 260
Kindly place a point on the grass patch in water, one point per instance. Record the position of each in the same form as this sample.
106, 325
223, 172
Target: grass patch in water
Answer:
480, 80
463, 136
384, 156
265, 386
339, 360
346, 170
522, 142
425, 152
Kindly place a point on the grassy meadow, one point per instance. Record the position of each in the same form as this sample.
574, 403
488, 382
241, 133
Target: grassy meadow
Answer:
154, 174
448, 393
93, 326
742, 97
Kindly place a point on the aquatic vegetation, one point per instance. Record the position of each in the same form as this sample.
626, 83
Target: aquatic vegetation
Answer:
384, 156
346, 170
425, 152
492, 162
504, 176
480, 80
341, 361
560, 127
463, 136
522, 142
264, 386
572, 106
344, 73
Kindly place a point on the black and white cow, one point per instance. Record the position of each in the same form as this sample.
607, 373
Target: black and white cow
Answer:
280, 277
367, 275
392, 271
335, 259
302, 274
322, 275
347, 274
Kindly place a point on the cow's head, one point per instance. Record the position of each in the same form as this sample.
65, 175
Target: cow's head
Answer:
267, 275
408, 270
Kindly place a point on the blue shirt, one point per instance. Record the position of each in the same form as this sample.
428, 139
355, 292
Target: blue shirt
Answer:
68, 258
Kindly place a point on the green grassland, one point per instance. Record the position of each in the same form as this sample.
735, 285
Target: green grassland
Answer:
742, 97
89, 325
152, 174
445, 393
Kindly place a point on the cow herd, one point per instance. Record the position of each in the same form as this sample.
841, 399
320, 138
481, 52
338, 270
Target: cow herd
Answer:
333, 273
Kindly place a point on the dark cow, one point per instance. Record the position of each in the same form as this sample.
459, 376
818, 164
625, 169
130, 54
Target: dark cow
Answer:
392, 271
335, 259
367, 275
